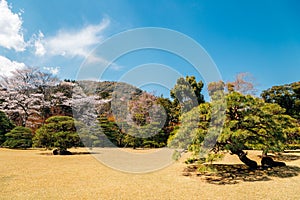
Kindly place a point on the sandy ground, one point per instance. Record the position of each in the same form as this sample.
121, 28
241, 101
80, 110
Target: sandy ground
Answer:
35, 174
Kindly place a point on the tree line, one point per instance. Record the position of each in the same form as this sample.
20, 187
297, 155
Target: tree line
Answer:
38, 110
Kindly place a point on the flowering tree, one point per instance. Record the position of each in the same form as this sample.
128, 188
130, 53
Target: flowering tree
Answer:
25, 95
86, 108
20, 107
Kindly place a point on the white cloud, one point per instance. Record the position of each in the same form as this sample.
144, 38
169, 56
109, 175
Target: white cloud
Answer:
11, 36
71, 43
52, 70
7, 66
39, 47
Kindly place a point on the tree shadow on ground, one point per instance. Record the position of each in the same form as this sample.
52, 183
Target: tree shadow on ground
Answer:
73, 153
283, 157
222, 174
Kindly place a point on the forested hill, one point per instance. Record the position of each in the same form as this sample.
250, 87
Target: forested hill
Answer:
32, 99
105, 89
28, 103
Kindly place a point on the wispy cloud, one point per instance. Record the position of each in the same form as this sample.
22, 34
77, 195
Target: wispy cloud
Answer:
7, 66
68, 43
38, 45
116, 67
71, 43
97, 59
52, 70
11, 36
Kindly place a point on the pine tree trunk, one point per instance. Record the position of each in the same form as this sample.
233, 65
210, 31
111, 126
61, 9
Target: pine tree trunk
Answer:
243, 157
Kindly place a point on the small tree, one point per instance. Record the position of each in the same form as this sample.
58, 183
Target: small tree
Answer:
243, 83
112, 133
5, 126
59, 132
19, 137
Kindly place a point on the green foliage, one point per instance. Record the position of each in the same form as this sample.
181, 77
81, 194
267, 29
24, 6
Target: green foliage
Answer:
252, 123
171, 115
58, 131
191, 160
19, 137
145, 136
5, 126
211, 157
176, 155
287, 96
249, 123
187, 93
111, 131
92, 136
123, 135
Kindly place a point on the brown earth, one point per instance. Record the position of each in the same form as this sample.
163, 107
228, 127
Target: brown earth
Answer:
36, 174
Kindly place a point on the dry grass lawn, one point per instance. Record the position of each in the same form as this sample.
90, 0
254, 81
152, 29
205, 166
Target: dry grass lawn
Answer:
34, 174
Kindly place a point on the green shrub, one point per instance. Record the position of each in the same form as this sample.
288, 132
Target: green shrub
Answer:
19, 137
59, 132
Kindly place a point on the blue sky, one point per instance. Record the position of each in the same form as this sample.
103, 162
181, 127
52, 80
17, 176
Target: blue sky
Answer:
260, 37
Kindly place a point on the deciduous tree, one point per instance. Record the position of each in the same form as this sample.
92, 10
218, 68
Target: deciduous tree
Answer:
25, 94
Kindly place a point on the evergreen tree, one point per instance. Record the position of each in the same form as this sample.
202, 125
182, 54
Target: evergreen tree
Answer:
19, 137
187, 93
5, 126
287, 96
250, 123
59, 132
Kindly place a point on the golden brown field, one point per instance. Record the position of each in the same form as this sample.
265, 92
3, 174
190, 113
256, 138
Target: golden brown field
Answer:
34, 174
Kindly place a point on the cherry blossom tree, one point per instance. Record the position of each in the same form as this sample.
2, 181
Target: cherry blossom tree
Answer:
25, 95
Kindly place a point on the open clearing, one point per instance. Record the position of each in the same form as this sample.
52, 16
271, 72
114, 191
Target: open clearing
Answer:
35, 174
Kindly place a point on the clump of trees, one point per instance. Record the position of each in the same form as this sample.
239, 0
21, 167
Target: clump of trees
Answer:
249, 123
287, 96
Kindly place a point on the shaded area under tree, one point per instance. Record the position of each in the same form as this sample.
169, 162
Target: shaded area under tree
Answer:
232, 174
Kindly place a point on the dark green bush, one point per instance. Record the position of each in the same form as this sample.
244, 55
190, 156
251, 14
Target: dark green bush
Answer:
19, 137
5, 126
